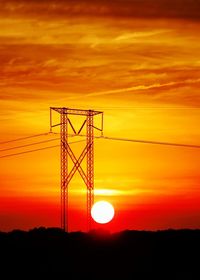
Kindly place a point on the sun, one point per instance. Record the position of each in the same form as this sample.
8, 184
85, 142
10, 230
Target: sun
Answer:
102, 212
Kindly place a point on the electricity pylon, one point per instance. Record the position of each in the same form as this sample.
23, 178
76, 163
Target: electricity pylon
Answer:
67, 154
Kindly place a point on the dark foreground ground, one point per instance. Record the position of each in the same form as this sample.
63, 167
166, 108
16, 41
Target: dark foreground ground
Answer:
50, 253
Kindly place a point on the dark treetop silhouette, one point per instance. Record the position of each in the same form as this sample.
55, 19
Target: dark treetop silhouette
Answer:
47, 252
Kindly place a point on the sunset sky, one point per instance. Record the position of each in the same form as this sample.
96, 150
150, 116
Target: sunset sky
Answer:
139, 63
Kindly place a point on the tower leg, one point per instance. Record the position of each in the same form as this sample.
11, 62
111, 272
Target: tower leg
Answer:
90, 168
64, 171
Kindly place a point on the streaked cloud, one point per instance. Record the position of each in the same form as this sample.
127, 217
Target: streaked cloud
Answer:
145, 87
113, 192
125, 8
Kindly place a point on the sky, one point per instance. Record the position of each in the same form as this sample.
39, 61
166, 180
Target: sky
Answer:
139, 63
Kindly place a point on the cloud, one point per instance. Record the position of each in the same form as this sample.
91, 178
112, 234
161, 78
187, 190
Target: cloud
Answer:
58, 56
136, 35
124, 8
145, 87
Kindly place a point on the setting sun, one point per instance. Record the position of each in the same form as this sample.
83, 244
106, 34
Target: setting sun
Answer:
102, 212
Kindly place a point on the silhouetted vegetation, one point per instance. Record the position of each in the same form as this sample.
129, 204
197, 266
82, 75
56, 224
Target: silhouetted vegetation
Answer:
50, 252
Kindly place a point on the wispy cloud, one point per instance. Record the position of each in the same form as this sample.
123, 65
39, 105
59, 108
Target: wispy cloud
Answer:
140, 34
116, 192
126, 8
144, 87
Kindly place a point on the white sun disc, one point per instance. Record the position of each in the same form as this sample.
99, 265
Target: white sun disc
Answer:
102, 212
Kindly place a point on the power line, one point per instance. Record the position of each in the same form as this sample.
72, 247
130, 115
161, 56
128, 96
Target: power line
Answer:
31, 144
24, 138
151, 142
133, 107
30, 151
97, 137
145, 141
39, 149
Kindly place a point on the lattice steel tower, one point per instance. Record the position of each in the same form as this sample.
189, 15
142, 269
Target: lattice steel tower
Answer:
67, 154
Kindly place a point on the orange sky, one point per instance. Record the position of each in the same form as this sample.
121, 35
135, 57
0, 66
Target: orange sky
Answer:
139, 62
